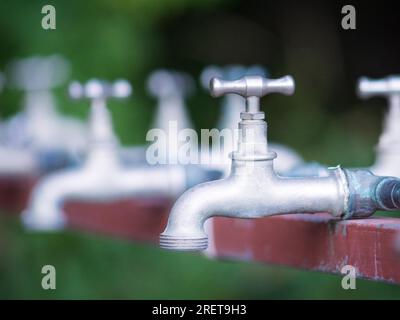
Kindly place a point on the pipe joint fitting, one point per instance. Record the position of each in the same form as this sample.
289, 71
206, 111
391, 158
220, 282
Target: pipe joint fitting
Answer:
369, 193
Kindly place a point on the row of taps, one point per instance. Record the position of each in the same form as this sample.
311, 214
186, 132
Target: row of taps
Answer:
84, 161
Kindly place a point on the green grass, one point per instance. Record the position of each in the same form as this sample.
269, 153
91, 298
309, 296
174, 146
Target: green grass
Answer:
95, 267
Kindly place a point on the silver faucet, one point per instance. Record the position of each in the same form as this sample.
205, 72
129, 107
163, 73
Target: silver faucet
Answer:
388, 149
102, 177
171, 88
14, 161
234, 104
39, 127
253, 188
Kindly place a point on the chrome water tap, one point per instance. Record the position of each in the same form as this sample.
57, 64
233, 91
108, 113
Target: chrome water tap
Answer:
14, 161
103, 177
171, 88
39, 127
253, 189
233, 105
388, 149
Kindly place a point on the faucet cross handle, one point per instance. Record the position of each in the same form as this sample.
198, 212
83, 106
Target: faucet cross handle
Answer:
252, 88
387, 87
37, 73
230, 72
98, 89
165, 83
100, 122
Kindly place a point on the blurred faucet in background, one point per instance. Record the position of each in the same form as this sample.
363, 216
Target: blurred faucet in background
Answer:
233, 105
102, 177
387, 161
14, 161
171, 88
54, 139
388, 149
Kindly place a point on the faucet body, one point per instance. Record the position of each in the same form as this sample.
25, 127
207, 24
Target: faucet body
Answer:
54, 140
388, 149
14, 161
243, 194
171, 88
254, 190
17, 162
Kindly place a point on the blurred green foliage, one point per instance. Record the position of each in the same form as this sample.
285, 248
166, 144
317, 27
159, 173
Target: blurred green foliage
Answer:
324, 121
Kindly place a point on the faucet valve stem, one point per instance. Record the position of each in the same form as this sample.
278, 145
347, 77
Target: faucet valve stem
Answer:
99, 89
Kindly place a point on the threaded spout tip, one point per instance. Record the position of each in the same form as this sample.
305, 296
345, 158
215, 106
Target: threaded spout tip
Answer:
183, 243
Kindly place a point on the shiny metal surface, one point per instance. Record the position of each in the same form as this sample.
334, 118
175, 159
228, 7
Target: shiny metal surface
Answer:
254, 190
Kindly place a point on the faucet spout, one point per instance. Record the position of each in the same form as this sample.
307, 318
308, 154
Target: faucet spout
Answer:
45, 209
251, 191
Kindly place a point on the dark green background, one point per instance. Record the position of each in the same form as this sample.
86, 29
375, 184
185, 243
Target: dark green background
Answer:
324, 121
